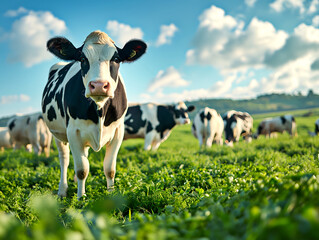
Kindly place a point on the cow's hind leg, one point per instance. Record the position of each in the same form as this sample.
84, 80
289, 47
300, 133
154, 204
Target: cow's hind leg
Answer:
64, 156
111, 151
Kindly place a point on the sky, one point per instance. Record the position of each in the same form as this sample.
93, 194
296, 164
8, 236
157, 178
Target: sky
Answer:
196, 48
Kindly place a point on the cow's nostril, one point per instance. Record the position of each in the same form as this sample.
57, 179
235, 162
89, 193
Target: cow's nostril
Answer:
92, 86
106, 86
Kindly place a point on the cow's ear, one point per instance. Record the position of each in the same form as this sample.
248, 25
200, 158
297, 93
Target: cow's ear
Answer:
191, 108
132, 50
63, 48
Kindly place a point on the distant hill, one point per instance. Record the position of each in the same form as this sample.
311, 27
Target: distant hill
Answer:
261, 104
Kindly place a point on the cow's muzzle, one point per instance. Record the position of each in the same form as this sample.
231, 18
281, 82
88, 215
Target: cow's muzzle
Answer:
99, 88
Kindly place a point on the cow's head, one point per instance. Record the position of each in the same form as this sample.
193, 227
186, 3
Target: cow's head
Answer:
100, 60
180, 111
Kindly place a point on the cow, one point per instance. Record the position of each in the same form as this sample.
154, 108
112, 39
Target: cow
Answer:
84, 102
237, 124
208, 126
271, 126
154, 122
31, 132
5, 140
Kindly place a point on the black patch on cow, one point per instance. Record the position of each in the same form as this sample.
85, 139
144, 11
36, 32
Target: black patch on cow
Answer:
51, 114
115, 107
114, 69
202, 116
12, 124
40, 117
165, 118
193, 126
316, 128
135, 122
260, 128
85, 108
49, 93
28, 120
51, 74
293, 119
85, 65
149, 127
283, 119
229, 133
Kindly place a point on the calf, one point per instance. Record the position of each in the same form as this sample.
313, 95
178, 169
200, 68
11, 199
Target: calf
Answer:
30, 129
270, 126
208, 126
237, 124
5, 140
84, 102
154, 122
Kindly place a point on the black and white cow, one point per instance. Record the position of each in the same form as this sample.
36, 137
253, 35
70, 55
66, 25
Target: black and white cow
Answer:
271, 126
31, 132
237, 124
208, 126
154, 122
84, 102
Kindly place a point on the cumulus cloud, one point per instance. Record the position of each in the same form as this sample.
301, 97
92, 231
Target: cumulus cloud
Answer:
29, 34
166, 34
222, 42
121, 33
280, 5
14, 98
250, 3
169, 78
14, 13
313, 6
315, 21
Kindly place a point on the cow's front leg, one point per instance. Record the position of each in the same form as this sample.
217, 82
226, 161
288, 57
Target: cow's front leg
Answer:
111, 152
64, 156
80, 157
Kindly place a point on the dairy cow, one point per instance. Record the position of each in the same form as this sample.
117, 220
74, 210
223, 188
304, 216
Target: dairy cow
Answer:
5, 140
271, 126
31, 130
237, 124
154, 122
208, 126
84, 102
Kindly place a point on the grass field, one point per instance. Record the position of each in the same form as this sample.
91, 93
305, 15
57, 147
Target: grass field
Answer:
268, 189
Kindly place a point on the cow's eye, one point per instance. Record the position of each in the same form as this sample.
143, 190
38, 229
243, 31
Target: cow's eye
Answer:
116, 59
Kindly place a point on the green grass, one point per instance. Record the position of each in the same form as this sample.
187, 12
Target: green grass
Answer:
268, 189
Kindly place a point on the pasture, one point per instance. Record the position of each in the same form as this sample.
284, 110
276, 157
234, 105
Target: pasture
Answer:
268, 189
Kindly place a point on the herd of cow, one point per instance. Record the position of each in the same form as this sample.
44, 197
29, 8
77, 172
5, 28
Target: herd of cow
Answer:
84, 105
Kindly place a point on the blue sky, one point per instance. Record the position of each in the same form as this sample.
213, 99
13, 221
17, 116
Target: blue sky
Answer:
196, 48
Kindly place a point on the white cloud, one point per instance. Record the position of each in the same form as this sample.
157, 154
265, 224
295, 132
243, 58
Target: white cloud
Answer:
167, 33
169, 78
29, 34
280, 5
14, 13
313, 6
14, 98
315, 21
250, 3
121, 33
221, 42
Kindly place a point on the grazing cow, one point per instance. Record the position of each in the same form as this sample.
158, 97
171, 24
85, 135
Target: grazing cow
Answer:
31, 130
84, 102
271, 126
154, 122
237, 124
208, 126
5, 140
